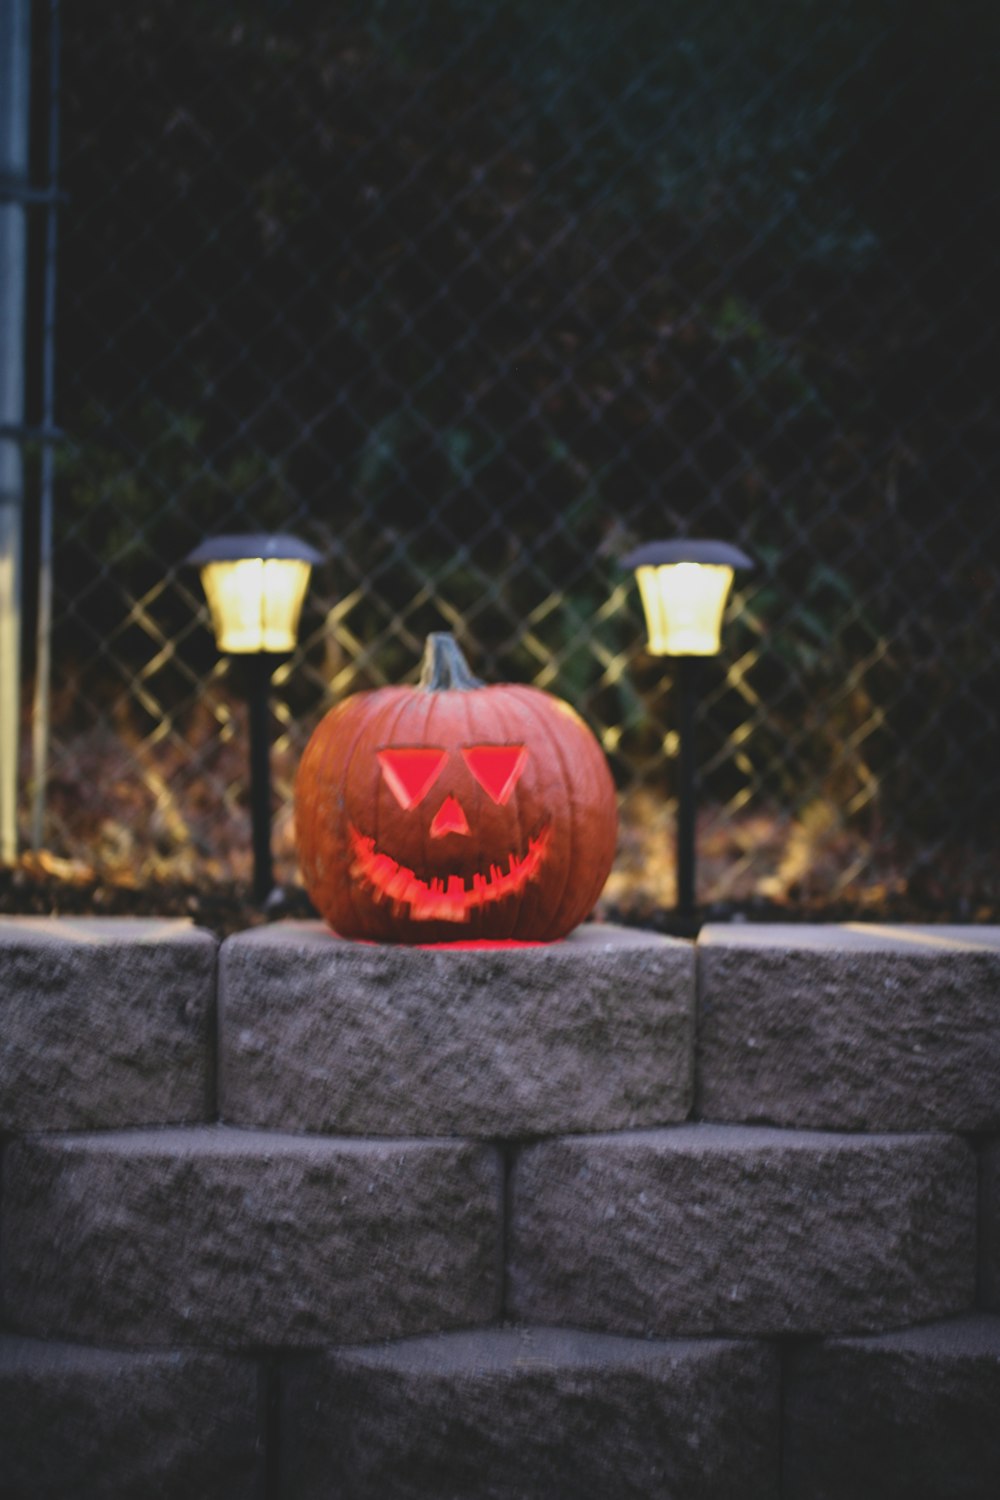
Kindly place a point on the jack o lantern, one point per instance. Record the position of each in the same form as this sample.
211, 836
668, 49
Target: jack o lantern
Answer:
452, 811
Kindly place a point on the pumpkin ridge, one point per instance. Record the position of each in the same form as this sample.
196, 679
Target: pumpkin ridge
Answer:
541, 717
389, 738
329, 752
518, 843
477, 822
346, 781
426, 732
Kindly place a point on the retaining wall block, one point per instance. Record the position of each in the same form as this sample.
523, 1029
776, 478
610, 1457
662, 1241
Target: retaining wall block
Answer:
94, 1424
710, 1229
906, 1416
857, 1027
989, 1220
593, 1033
106, 1022
533, 1414
231, 1238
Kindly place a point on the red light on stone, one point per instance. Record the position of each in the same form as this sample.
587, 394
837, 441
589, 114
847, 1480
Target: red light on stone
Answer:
411, 772
497, 768
449, 818
468, 944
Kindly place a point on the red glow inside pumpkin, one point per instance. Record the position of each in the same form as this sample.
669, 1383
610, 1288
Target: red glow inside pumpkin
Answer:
439, 899
411, 771
497, 768
449, 818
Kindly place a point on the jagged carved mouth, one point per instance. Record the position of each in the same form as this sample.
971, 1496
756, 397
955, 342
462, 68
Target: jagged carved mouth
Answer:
444, 900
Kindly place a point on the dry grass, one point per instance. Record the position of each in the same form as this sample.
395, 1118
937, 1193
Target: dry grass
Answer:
140, 828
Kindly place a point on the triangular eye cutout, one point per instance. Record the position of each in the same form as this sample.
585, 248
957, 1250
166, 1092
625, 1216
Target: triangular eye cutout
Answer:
497, 768
411, 772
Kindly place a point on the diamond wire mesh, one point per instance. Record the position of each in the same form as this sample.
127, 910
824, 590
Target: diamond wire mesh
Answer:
475, 297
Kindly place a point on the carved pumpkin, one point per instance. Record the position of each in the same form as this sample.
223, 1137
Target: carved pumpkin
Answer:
452, 811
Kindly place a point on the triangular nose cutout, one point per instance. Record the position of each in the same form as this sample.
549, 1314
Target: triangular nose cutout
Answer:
449, 818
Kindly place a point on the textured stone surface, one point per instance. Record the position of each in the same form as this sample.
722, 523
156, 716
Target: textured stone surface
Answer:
92, 1424
907, 1416
594, 1033
713, 1229
225, 1237
105, 1022
536, 1414
989, 1221
860, 1027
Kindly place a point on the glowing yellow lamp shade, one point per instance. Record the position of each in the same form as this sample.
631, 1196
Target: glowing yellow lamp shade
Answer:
684, 587
255, 587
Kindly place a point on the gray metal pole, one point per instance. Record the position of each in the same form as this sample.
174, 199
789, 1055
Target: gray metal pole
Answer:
15, 55
43, 654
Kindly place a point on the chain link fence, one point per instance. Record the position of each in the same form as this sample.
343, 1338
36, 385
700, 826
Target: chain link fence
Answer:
476, 297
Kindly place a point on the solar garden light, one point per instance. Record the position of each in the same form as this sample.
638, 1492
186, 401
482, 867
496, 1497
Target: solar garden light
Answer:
684, 586
255, 587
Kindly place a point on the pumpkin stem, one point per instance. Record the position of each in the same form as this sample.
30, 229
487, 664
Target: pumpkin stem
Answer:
444, 667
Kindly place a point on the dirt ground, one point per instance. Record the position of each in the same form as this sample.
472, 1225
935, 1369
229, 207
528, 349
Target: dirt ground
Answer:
225, 907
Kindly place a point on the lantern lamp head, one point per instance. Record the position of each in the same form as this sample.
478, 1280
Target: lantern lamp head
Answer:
684, 586
255, 587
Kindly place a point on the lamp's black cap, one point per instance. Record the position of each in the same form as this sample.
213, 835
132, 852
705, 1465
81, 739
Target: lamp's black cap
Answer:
655, 554
236, 548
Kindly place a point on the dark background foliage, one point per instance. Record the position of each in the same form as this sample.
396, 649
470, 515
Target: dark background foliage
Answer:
476, 296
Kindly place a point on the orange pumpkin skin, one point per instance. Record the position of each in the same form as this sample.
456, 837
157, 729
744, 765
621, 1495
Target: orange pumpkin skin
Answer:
454, 812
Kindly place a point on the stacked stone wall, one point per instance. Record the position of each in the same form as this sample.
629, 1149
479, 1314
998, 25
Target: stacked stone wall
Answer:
623, 1216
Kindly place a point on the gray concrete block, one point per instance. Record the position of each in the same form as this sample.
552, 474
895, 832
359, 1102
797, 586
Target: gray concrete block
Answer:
709, 1229
533, 1414
858, 1027
106, 1022
593, 1033
232, 1238
96, 1424
906, 1416
989, 1224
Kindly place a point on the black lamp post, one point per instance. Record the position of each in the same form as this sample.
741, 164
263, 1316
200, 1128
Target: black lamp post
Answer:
255, 587
684, 587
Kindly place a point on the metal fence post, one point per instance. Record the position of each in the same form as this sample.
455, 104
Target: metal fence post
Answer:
40, 716
15, 51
